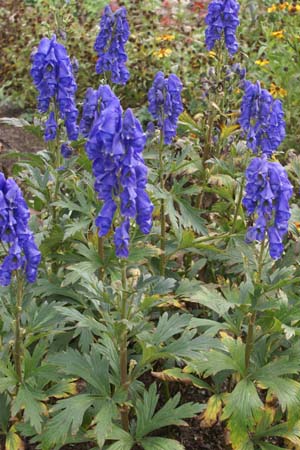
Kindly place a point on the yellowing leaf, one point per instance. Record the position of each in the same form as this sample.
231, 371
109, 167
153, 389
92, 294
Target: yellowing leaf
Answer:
13, 440
212, 412
228, 130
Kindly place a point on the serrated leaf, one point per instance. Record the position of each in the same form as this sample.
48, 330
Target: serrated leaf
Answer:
103, 421
169, 414
68, 418
243, 404
30, 401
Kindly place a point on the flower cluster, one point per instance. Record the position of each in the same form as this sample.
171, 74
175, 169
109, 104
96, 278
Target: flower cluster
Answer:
268, 191
52, 75
261, 119
115, 144
165, 104
222, 17
110, 45
16, 238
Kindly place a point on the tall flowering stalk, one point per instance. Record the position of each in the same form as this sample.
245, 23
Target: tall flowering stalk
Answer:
222, 19
53, 76
115, 142
110, 45
268, 189
21, 255
165, 105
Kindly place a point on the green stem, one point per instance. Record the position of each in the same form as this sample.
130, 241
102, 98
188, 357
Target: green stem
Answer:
238, 205
18, 338
123, 351
102, 256
252, 315
162, 209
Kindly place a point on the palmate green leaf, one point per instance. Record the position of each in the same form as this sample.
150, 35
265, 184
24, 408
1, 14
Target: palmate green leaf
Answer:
159, 443
168, 326
31, 401
169, 414
67, 420
81, 320
124, 440
211, 327
243, 404
210, 298
8, 377
103, 421
186, 347
190, 217
286, 390
78, 226
284, 430
78, 270
90, 367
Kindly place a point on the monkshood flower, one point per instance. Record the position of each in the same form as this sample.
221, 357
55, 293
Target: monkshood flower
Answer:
110, 45
165, 104
15, 235
261, 119
222, 17
115, 145
66, 150
53, 77
268, 191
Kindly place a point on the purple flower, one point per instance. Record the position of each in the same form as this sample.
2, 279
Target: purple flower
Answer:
110, 45
268, 191
261, 119
50, 128
22, 252
121, 239
53, 77
115, 145
165, 104
66, 150
222, 17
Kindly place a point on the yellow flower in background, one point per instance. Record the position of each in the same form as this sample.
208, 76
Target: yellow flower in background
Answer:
272, 8
165, 37
262, 62
294, 8
162, 53
278, 34
277, 91
212, 54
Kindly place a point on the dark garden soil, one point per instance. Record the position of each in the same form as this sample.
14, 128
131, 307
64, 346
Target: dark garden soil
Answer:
14, 139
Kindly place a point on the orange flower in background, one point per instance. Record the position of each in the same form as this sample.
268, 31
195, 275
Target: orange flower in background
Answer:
272, 8
283, 6
166, 37
278, 34
162, 53
277, 91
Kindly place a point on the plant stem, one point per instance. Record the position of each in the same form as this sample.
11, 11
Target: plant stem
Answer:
252, 315
162, 209
238, 205
123, 351
18, 338
101, 255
